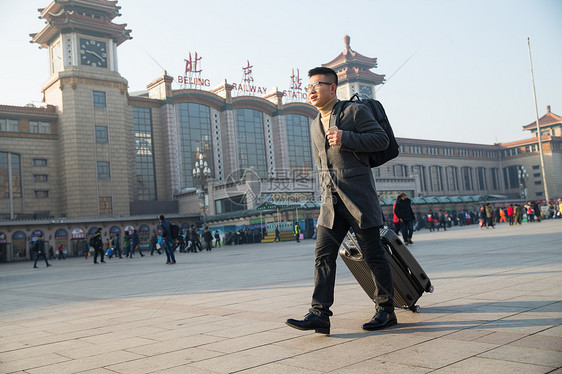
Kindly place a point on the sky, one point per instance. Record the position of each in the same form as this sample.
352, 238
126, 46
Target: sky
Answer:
455, 70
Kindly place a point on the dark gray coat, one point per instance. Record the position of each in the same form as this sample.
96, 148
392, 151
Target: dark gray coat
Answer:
346, 169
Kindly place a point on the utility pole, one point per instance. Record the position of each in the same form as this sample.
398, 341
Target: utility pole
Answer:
539, 136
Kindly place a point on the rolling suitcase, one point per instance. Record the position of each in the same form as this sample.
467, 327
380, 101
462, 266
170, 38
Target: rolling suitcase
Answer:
410, 281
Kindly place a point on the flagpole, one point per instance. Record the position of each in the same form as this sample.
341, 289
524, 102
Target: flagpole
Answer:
539, 135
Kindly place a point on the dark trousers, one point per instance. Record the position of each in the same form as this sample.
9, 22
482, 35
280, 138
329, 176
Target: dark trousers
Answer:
37, 254
96, 252
208, 245
407, 231
327, 245
169, 250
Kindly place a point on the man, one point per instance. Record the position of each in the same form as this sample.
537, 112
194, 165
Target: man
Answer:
297, 230
40, 251
117, 245
405, 214
166, 234
349, 200
97, 243
208, 237
277, 235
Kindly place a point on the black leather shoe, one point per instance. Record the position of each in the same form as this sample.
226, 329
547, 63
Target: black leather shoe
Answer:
311, 322
380, 320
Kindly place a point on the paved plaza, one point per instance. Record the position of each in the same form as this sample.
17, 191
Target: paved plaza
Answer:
496, 309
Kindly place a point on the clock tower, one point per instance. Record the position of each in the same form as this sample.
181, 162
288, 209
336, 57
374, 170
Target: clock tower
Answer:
354, 73
91, 99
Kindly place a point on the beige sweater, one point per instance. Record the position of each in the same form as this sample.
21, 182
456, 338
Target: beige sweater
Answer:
325, 113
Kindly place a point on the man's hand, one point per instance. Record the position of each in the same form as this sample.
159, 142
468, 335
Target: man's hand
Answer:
334, 137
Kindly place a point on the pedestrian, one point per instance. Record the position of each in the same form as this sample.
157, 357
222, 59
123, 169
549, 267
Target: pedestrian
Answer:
510, 214
135, 243
208, 237
277, 234
297, 231
87, 248
217, 239
530, 212
517, 214
97, 243
166, 233
127, 244
443, 220
405, 215
60, 252
489, 215
349, 200
39, 247
51, 253
195, 240
153, 243
117, 245
395, 220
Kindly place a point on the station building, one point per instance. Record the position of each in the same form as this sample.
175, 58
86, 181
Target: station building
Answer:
97, 155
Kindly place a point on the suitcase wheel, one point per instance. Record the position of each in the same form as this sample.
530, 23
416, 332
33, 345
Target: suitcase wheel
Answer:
415, 308
429, 289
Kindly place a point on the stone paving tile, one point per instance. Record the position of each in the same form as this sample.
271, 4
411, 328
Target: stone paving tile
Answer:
86, 350
337, 356
160, 347
436, 353
246, 342
543, 342
525, 355
247, 359
478, 365
376, 366
276, 368
87, 363
31, 362
159, 362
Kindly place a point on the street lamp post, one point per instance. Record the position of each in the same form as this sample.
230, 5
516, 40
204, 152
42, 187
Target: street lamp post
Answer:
202, 172
523, 176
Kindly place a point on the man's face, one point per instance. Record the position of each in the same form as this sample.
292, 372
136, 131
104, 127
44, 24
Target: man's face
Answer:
322, 93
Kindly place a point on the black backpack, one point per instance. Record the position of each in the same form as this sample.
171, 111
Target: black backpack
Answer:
174, 230
379, 157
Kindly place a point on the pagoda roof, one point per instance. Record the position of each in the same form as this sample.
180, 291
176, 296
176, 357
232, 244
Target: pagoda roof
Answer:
353, 66
91, 16
548, 119
351, 58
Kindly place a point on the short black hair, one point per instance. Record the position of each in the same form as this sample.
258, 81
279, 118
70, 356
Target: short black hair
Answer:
322, 70
161, 218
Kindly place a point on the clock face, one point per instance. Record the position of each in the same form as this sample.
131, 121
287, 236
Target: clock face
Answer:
93, 53
366, 91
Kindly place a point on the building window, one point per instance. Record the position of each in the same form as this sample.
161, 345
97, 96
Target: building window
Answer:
538, 182
41, 194
495, 179
467, 178
481, 172
536, 167
39, 162
435, 176
511, 178
105, 205
99, 99
103, 170
251, 141
144, 154
298, 133
101, 134
537, 175
400, 171
44, 128
376, 172
40, 178
10, 165
9, 125
195, 139
452, 178
33, 127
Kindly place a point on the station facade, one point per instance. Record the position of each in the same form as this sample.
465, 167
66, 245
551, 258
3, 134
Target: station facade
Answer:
97, 155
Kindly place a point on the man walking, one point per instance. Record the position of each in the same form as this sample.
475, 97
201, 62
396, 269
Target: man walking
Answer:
40, 251
97, 243
349, 200
406, 216
277, 235
166, 234
208, 237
